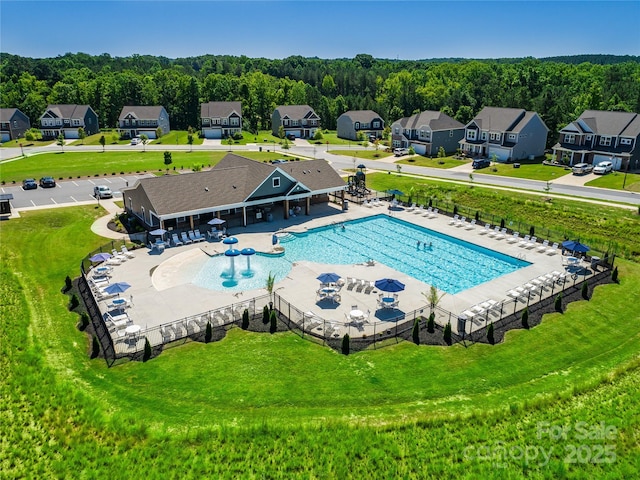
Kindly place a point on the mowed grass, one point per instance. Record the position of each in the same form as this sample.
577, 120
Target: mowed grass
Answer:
616, 180
420, 161
530, 170
278, 405
365, 154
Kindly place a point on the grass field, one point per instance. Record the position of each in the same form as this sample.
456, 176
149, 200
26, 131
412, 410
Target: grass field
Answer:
365, 154
420, 161
531, 170
259, 405
616, 180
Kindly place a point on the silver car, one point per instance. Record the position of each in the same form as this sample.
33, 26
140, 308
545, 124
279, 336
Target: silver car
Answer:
102, 191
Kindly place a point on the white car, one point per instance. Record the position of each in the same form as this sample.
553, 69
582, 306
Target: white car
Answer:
603, 167
399, 152
102, 191
136, 141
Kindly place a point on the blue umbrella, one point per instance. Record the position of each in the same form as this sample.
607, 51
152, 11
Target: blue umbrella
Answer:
395, 192
117, 287
575, 246
328, 277
389, 285
100, 257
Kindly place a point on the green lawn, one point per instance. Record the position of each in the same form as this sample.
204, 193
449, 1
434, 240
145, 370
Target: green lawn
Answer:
420, 161
263, 405
365, 154
615, 180
26, 143
531, 170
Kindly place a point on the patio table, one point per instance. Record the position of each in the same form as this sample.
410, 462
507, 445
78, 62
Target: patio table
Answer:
356, 315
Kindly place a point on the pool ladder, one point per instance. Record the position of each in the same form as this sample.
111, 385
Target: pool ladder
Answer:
521, 256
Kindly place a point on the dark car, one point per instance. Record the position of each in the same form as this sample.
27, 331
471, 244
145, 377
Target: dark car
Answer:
47, 182
29, 184
291, 136
481, 163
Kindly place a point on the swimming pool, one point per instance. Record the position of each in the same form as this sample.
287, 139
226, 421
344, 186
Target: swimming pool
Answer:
450, 264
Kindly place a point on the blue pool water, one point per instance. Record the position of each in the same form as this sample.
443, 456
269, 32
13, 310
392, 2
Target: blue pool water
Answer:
450, 264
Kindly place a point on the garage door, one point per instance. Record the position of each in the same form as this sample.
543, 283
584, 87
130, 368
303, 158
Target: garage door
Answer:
5, 137
419, 149
214, 134
601, 158
501, 153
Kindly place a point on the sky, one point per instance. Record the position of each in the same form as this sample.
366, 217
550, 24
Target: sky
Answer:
406, 30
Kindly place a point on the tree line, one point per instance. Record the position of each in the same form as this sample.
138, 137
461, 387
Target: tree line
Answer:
559, 89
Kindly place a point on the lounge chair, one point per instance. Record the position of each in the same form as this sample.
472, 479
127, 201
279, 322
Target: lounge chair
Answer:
186, 240
494, 232
552, 250
524, 241
411, 208
176, 240
367, 204
501, 234
532, 243
470, 225
461, 221
514, 238
543, 247
454, 220
125, 251
485, 230
419, 210
192, 236
117, 255
434, 213
198, 235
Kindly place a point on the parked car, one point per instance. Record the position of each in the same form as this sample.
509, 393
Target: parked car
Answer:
278, 160
603, 167
582, 168
29, 184
102, 191
399, 152
47, 182
291, 136
136, 140
481, 163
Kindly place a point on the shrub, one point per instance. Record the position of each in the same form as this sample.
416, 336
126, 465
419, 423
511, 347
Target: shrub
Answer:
95, 347
416, 332
502, 223
346, 347
265, 314
84, 321
558, 303
147, 350
455, 209
67, 283
490, 337
431, 324
74, 302
614, 275
532, 231
245, 319
208, 333
447, 334
525, 318
477, 216
273, 328
585, 290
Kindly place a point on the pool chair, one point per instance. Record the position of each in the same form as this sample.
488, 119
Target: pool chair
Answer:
524, 241
411, 208
186, 240
367, 204
419, 210
470, 225
454, 220
485, 230
514, 238
532, 243
501, 234
117, 255
125, 251
494, 232
461, 221
192, 236
176, 240
198, 235
434, 213
543, 247
553, 249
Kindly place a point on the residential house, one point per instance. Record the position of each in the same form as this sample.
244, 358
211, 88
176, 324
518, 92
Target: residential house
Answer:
299, 121
220, 119
67, 119
508, 134
142, 120
237, 189
599, 135
366, 122
426, 132
13, 124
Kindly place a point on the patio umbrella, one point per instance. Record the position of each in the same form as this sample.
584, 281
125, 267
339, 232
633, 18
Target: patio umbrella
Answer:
158, 231
389, 285
216, 221
362, 165
231, 241
395, 192
575, 246
100, 257
328, 277
118, 287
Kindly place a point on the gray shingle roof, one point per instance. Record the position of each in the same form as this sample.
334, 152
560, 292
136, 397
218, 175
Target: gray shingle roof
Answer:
361, 115
498, 119
295, 111
7, 113
141, 112
220, 109
611, 123
68, 111
435, 120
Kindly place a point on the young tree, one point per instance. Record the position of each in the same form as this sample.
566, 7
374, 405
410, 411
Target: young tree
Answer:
558, 303
490, 337
145, 140
270, 282
82, 134
147, 350
525, 318
441, 152
415, 333
614, 274
433, 297
60, 141
273, 318
208, 333
281, 131
103, 142
95, 347
431, 323
190, 142
585, 290
245, 319
265, 314
346, 344
167, 160
447, 334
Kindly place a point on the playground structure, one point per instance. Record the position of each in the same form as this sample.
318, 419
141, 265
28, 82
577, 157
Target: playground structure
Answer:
357, 185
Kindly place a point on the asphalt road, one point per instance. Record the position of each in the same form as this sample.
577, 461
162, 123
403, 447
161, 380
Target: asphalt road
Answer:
81, 190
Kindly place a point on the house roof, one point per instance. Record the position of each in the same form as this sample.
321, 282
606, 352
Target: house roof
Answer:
230, 183
68, 111
220, 109
499, 119
435, 121
6, 114
361, 115
602, 122
295, 111
141, 112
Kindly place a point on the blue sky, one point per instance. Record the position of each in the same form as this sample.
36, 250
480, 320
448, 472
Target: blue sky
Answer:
320, 28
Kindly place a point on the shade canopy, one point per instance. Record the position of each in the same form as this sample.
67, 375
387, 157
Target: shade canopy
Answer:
389, 285
248, 251
395, 192
158, 231
216, 221
362, 165
232, 252
575, 246
230, 240
100, 257
328, 277
117, 287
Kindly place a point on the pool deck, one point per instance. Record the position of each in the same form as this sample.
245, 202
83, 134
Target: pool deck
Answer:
161, 291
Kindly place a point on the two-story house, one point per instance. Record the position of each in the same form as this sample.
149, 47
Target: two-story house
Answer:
220, 119
299, 121
426, 132
509, 134
13, 124
141, 120
599, 135
353, 122
67, 119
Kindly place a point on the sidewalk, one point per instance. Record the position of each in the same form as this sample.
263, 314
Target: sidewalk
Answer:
100, 226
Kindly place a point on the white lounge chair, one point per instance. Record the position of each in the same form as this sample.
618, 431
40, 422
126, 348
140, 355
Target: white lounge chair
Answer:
117, 255
461, 221
543, 247
411, 208
514, 238
532, 243
186, 240
125, 251
485, 230
176, 240
524, 241
198, 235
434, 213
501, 234
419, 210
454, 220
470, 225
